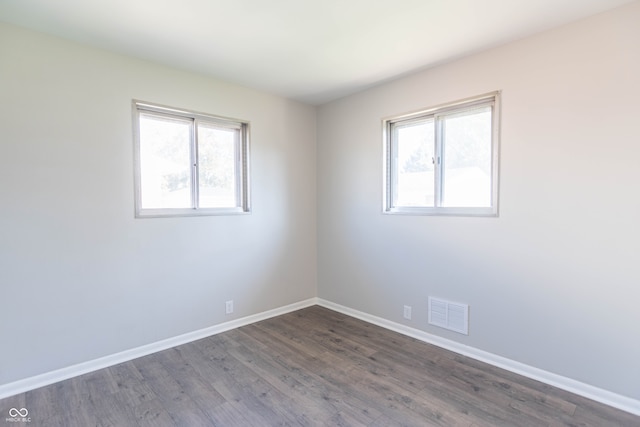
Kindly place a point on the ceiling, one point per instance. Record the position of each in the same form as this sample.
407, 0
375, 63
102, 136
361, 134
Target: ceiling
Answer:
313, 51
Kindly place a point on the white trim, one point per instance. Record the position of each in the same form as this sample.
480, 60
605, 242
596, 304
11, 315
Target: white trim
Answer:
21, 386
591, 392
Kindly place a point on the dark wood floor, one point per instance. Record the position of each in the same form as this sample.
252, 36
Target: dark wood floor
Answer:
310, 367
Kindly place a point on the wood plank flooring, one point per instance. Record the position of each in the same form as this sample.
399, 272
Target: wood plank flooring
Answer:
312, 367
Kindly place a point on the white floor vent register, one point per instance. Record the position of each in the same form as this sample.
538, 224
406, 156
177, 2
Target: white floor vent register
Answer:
449, 315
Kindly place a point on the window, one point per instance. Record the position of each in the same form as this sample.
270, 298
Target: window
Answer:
444, 160
189, 163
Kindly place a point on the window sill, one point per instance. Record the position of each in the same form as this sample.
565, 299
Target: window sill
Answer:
169, 213
424, 211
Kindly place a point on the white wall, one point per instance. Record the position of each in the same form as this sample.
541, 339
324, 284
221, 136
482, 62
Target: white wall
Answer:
80, 278
554, 282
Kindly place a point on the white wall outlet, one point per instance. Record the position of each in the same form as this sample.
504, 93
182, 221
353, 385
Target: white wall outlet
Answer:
407, 312
229, 307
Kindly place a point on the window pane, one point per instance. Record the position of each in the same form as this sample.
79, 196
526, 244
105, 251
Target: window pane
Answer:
414, 164
217, 166
467, 159
165, 162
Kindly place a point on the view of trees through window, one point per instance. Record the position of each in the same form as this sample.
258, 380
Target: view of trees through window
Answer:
165, 162
464, 155
415, 175
467, 159
167, 158
216, 160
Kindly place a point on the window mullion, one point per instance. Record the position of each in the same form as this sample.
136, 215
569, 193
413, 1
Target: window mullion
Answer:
195, 185
393, 159
437, 161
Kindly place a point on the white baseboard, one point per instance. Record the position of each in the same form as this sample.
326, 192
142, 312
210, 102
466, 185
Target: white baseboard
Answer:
48, 378
594, 393
600, 395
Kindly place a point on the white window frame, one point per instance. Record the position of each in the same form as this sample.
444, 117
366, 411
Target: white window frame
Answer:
241, 162
389, 185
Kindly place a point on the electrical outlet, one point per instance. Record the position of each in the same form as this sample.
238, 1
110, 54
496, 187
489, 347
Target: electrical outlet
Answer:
229, 307
407, 312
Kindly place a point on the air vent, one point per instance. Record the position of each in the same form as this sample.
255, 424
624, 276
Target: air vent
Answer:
449, 315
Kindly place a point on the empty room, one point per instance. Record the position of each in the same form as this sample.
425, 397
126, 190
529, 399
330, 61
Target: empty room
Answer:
322, 213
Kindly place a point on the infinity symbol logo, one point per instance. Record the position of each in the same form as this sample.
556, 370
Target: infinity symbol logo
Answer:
13, 412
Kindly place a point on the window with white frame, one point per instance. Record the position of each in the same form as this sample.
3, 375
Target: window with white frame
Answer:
444, 160
189, 163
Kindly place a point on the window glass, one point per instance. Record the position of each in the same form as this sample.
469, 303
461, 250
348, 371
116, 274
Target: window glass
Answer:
217, 161
467, 159
415, 169
165, 162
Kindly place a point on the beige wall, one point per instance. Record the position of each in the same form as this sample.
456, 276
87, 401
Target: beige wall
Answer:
554, 281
